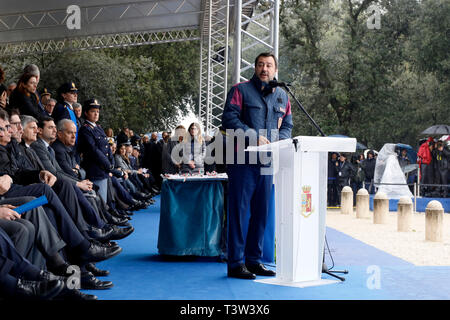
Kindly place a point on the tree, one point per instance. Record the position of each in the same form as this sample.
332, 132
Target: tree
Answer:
145, 87
363, 82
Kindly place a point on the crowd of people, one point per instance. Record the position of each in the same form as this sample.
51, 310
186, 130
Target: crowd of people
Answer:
93, 181
52, 146
433, 159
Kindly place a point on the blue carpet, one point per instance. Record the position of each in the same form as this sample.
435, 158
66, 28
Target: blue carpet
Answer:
139, 273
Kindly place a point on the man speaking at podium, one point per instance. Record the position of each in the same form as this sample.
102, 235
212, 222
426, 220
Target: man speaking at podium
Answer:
261, 112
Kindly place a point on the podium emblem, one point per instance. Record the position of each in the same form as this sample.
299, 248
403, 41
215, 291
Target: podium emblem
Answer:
307, 208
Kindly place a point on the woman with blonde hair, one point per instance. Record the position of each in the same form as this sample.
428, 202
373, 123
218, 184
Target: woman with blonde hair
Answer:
193, 151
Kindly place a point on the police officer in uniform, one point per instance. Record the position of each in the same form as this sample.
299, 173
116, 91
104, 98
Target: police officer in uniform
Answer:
94, 147
264, 113
68, 95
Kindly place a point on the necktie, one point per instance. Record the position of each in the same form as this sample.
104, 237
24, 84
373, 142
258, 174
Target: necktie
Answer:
52, 152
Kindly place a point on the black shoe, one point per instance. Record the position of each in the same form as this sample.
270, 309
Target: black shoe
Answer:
38, 290
96, 271
100, 234
118, 221
240, 272
138, 205
96, 253
116, 213
106, 244
120, 233
89, 282
260, 270
60, 270
156, 190
45, 275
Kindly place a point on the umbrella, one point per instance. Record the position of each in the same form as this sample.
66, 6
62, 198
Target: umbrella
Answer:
437, 129
359, 146
412, 155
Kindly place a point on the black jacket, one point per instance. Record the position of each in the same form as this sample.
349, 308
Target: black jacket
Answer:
344, 171
67, 159
368, 167
9, 165
27, 105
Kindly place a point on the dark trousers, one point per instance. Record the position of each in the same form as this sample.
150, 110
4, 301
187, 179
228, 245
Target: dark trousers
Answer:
13, 265
121, 192
90, 214
67, 194
247, 188
34, 236
22, 234
332, 192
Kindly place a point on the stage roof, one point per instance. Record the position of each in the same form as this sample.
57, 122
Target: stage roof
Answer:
42, 26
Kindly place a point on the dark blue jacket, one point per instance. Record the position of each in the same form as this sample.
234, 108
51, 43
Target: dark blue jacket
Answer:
254, 106
95, 151
64, 111
66, 158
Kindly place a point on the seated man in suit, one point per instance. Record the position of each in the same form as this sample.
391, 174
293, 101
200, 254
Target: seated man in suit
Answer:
68, 159
63, 188
81, 249
46, 135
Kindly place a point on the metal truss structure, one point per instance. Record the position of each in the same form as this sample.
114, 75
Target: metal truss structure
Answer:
254, 33
254, 24
28, 27
102, 24
98, 42
214, 63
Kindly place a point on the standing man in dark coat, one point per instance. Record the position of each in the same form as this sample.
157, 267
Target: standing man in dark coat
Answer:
332, 182
368, 166
344, 171
441, 161
263, 113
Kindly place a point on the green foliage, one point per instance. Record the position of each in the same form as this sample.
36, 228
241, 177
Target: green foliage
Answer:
378, 85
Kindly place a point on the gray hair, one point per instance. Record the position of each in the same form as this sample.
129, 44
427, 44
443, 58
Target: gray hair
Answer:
52, 100
33, 69
25, 119
62, 124
76, 105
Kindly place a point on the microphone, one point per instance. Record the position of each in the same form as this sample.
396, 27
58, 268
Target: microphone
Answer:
275, 83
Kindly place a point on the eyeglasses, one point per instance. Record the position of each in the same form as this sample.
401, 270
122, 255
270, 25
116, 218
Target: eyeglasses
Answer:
17, 124
5, 129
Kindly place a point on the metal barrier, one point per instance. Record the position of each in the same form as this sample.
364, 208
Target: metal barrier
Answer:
416, 188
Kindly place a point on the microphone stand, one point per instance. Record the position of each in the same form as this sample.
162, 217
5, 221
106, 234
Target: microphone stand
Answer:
303, 109
325, 269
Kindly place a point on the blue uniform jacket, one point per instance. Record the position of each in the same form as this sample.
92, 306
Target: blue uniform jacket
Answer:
253, 105
95, 150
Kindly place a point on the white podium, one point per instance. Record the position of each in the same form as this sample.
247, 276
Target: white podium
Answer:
300, 178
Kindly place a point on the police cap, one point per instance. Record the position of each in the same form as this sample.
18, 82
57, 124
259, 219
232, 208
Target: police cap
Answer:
89, 104
67, 87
